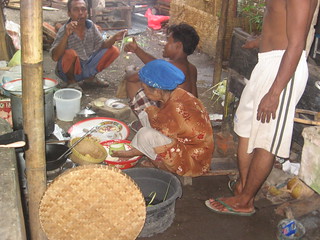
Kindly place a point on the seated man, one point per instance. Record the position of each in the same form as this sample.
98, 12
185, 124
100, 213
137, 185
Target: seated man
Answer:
80, 49
182, 40
177, 136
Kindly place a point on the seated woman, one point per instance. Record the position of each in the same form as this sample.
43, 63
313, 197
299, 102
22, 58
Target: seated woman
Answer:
176, 136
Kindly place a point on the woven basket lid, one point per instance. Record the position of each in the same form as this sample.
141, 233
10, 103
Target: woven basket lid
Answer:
92, 202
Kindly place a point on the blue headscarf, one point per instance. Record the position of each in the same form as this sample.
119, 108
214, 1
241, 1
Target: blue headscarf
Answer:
161, 74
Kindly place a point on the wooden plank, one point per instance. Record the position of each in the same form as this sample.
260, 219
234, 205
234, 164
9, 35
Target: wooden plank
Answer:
49, 30
307, 117
220, 43
221, 172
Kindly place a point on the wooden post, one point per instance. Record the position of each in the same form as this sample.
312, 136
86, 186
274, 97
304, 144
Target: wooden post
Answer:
33, 109
220, 42
4, 55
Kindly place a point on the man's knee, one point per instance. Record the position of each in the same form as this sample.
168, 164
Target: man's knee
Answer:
69, 62
114, 51
110, 55
107, 58
68, 59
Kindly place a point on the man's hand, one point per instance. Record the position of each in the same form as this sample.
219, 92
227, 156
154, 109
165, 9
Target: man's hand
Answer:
132, 46
116, 37
70, 27
267, 108
120, 35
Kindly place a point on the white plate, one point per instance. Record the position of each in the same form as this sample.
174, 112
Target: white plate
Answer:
110, 129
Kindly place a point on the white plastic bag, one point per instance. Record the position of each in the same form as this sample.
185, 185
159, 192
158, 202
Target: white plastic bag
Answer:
13, 29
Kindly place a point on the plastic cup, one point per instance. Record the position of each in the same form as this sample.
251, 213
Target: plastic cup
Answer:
67, 103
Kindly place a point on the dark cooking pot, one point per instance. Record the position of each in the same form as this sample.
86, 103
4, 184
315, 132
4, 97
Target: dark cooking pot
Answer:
53, 151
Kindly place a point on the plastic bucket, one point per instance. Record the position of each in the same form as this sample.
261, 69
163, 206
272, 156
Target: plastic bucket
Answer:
67, 103
159, 216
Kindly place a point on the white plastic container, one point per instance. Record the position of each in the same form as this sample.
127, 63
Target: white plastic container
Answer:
67, 103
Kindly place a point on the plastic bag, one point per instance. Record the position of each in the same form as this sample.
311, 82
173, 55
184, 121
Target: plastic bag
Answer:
154, 21
13, 29
15, 60
7, 76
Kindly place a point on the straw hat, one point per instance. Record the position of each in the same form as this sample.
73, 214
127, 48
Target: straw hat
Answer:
92, 202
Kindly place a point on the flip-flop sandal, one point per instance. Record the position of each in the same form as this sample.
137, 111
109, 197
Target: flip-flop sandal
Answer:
228, 209
231, 185
101, 83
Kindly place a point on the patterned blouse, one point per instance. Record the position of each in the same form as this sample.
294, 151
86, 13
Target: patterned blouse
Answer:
184, 119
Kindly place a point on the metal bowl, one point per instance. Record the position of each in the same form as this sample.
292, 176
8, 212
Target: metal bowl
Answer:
86, 112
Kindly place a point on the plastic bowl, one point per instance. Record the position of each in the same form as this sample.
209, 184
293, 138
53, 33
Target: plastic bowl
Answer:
120, 163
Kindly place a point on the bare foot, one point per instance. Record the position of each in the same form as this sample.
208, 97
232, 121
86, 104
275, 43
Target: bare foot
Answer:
237, 188
96, 82
234, 203
147, 163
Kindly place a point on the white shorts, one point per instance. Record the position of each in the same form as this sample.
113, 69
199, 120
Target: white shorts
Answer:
275, 136
147, 138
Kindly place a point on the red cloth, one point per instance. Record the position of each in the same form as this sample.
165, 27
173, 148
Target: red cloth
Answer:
154, 21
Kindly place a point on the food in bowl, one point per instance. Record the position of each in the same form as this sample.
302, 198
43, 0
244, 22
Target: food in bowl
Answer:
121, 163
87, 151
116, 147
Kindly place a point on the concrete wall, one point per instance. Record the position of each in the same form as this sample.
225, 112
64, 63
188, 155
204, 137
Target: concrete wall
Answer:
12, 225
310, 159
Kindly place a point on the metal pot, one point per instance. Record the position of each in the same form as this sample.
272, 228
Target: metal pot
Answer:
53, 151
15, 89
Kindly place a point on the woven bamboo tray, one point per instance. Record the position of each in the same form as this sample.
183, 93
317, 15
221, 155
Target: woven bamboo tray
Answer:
92, 202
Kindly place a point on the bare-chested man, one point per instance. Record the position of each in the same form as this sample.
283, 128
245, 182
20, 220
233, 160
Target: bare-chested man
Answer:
264, 118
182, 40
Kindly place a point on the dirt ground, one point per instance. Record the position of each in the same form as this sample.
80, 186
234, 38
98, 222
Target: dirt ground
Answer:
193, 221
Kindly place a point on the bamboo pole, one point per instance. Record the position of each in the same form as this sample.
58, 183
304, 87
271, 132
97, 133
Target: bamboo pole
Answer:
4, 55
33, 109
220, 42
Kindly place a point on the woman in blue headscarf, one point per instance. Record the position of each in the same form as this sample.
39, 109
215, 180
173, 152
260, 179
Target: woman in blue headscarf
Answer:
176, 136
